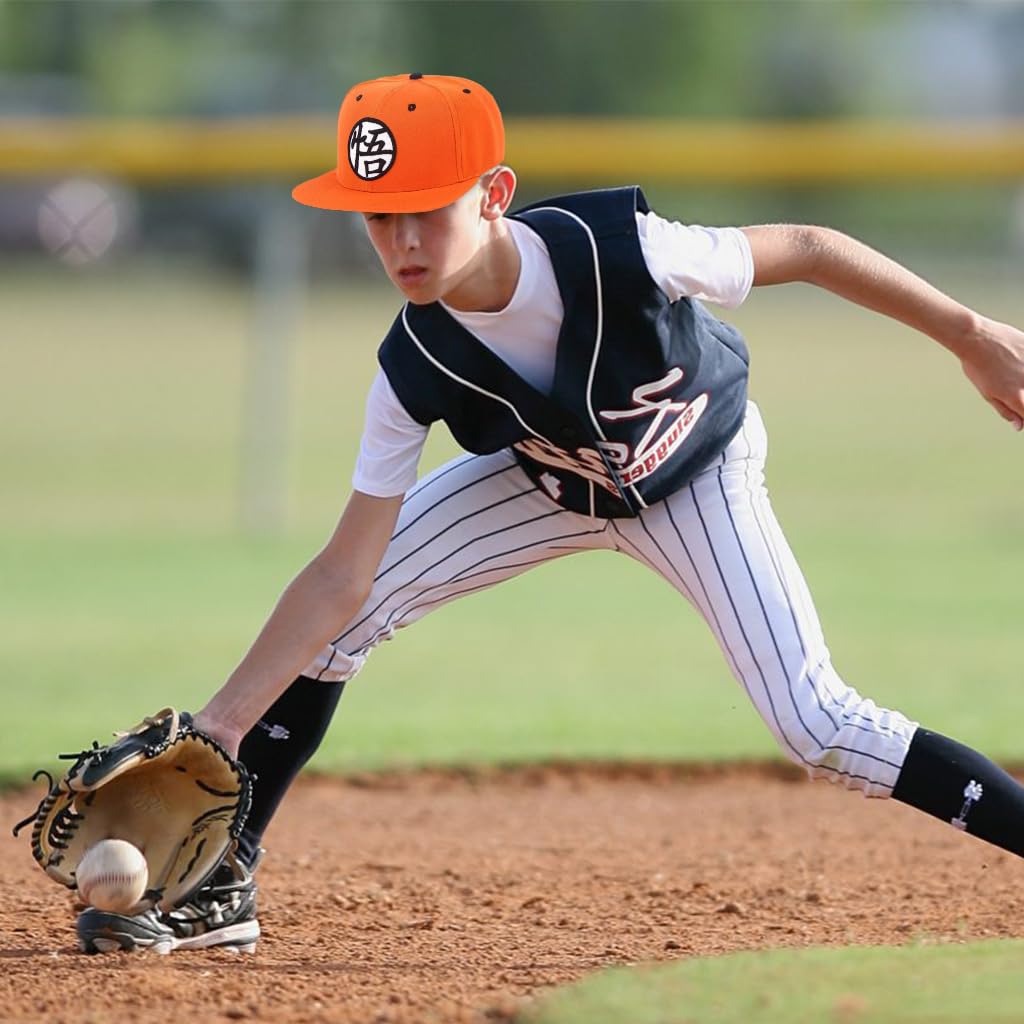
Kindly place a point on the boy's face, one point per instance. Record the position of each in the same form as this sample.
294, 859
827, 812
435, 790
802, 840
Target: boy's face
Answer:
428, 255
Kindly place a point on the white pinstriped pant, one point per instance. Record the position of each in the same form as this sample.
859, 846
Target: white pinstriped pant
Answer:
479, 520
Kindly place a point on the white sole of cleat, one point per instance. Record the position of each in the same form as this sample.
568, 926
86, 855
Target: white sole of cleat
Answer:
235, 938
241, 937
107, 945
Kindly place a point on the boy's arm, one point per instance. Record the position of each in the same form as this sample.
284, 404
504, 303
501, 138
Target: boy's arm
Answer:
324, 596
991, 353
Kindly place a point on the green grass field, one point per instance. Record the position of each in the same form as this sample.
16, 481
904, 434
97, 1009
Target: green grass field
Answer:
923, 984
127, 583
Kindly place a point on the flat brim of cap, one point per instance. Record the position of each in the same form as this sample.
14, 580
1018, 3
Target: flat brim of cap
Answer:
327, 193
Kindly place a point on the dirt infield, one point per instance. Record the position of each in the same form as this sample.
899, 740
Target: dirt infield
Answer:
455, 896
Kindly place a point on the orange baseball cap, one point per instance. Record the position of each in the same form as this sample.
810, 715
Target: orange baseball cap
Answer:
409, 144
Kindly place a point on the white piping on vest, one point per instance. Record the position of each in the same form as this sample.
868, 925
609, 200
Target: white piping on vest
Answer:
483, 391
468, 383
600, 326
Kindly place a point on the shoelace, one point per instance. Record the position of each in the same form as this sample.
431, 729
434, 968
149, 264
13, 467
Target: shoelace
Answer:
151, 720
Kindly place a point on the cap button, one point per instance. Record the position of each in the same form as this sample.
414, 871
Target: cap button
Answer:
416, 74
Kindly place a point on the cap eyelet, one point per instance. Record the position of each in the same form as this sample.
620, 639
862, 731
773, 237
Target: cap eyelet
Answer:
412, 106
467, 90
359, 97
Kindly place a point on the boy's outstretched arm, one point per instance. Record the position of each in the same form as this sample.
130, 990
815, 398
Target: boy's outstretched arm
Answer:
991, 353
324, 596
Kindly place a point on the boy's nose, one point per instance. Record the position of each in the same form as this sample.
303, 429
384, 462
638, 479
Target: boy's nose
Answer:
406, 234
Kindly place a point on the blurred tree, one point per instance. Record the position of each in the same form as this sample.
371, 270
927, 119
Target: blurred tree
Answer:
578, 57
702, 58
1010, 43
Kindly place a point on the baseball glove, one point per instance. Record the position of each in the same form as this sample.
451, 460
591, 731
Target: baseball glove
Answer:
163, 786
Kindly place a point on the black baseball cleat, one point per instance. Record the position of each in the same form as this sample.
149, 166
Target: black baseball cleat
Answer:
221, 913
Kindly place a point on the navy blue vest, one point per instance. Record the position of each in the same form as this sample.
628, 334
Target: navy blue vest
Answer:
646, 392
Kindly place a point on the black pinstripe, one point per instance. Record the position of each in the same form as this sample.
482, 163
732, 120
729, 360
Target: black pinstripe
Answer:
443, 598
398, 609
434, 565
720, 635
451, 525
450, 494
752, 494
813, 674
764, 612
724, 638
743, 632
778, 653
668, 561
754, 497
645, 560
439, 474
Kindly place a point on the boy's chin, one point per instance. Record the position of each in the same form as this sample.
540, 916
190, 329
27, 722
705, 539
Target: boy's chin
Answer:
420, 296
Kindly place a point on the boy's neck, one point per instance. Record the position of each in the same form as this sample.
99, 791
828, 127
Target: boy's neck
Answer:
492, 282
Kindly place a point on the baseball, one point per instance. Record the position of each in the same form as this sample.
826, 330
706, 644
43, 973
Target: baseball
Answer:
81, 219
112, 876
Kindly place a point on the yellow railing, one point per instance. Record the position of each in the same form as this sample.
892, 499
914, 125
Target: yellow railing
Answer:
586, 149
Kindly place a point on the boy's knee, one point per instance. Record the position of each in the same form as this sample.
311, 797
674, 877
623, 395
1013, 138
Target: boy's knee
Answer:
333, 665
864, 751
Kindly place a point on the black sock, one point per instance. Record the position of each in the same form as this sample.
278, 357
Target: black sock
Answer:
964, 788
276, 748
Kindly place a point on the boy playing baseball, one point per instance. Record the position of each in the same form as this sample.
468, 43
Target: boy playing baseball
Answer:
601, 406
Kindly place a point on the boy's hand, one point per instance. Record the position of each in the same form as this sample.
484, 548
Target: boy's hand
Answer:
208, 725
995, 366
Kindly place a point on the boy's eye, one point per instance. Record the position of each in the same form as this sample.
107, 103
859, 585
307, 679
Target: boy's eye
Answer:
376, 216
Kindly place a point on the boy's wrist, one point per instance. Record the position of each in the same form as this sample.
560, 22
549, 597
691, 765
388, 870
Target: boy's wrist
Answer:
966, 334
220, 728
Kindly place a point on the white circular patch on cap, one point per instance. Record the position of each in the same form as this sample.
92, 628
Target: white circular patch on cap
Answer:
371, 149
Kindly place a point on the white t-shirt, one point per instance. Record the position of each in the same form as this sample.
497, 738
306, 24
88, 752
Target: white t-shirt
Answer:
703, 263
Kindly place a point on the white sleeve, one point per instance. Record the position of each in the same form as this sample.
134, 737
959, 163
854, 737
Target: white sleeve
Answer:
392, 443
704, 263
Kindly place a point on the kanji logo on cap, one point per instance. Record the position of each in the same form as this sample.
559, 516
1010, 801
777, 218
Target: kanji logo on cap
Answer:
409, 144
371, 149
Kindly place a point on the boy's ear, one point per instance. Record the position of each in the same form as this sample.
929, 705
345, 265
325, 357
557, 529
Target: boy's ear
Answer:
499, 188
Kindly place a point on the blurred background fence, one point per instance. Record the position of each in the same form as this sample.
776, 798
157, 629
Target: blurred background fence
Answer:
898, 119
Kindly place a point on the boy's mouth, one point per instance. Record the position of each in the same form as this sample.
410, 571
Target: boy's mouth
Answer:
411, 274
